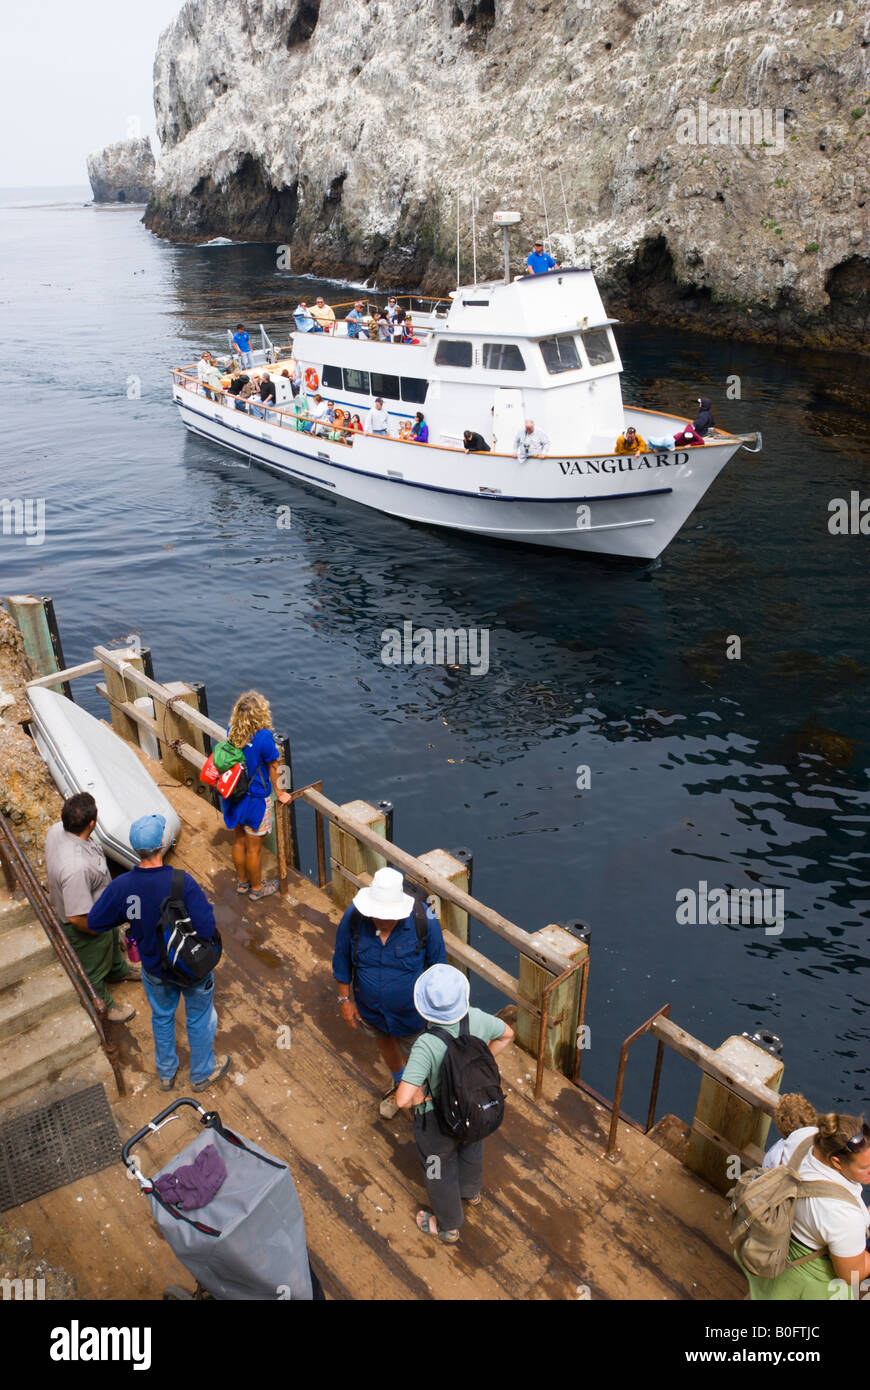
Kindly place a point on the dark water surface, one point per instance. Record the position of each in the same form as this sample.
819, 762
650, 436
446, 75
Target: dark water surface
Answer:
739, 772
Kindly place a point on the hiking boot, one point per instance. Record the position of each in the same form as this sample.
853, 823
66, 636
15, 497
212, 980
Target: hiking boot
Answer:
120, 1013
221, 1069
388, 1108
167, 1083
134, 973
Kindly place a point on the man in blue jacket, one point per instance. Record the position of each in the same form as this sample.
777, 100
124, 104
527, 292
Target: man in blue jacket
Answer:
384, 943
137, 896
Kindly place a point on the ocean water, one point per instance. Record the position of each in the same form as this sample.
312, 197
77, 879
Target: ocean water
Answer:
735, 771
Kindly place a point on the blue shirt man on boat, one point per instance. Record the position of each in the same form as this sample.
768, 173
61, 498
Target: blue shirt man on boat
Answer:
243, 343
304, 319
137, 896
380, 950
539, 262
354, 320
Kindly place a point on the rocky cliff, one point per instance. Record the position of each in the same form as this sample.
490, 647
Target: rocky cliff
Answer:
27, 794
714, 160
123, 172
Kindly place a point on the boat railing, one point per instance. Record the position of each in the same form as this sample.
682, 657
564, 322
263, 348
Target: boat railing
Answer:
295, 419
17, 871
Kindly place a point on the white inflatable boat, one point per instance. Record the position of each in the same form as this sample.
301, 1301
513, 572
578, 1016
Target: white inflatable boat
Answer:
84, 755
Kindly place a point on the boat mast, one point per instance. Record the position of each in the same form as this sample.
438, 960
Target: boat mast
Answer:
474, 225
458, 196
546, 218
567, 218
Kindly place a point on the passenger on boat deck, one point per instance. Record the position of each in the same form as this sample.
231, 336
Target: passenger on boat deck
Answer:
704, 421
374, 325
337, 432
398, 321
530, 442
318, 410
538, 261
294, 372
391, 309
244, 396
630, 442
323, 315
356, 424
209, 374
408, 331
243, 343
267, 390
405, 431
77, 874
687, 437
793, 1111
385, 330
239, 379
475, 443
378, 419
419, 429
354, 320
303, 319
330, 412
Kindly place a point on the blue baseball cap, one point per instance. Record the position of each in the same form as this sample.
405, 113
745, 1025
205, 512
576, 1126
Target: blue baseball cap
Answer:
147, 832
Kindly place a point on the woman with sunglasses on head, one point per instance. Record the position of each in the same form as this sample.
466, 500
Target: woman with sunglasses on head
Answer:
833, 1228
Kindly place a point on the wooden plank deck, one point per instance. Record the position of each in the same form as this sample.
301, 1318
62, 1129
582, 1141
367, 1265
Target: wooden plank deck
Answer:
556, 1215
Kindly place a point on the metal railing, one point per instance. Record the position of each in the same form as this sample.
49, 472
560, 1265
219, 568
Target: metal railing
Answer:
668, 1034
17, 869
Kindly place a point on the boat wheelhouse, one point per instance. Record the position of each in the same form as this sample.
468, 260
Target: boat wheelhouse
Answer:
538, 347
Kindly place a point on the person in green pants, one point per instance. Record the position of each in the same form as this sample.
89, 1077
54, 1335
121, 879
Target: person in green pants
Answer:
77, 874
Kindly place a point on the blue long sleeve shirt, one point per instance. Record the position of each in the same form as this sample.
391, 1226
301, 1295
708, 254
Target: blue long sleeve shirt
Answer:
137, 897
386, 974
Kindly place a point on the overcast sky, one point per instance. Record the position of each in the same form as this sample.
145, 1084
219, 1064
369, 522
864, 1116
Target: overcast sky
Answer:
74, 75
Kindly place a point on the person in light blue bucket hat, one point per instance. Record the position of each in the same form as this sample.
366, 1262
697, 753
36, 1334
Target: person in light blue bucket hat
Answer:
453, 1170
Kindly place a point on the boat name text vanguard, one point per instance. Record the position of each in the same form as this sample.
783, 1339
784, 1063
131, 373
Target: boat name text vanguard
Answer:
624, 463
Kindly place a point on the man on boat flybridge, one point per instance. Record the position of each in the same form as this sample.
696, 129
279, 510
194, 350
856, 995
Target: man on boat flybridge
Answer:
530, 442
539, 262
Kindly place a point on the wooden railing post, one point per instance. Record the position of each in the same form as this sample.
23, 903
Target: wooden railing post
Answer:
561, 1041
453, 919
347, 852
724, 1125
117, 688
174, 726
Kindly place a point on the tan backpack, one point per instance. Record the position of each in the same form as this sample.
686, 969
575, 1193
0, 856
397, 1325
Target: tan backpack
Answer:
762, 1213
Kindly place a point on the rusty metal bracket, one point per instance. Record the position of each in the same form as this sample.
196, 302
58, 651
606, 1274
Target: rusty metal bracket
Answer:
664, 1012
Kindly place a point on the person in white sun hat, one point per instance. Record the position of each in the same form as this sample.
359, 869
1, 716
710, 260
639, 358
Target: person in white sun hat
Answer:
453, 1170
384, 942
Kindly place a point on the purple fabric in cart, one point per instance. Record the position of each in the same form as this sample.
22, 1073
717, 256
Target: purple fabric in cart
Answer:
196, 1183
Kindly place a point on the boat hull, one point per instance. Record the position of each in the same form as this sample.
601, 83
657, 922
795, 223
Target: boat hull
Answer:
630, 507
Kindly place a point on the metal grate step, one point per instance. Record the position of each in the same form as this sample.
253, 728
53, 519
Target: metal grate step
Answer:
55, 1145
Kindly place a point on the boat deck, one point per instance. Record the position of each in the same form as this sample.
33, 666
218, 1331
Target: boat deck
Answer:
558, 1220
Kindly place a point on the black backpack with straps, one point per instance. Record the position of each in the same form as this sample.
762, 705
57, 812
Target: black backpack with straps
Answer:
185, 957
470, 1102
421, 924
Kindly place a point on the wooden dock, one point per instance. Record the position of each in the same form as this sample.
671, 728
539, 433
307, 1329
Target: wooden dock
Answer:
558, 1220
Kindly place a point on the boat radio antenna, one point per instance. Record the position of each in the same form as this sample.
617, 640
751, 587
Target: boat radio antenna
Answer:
546, 218
458, 197
567, 218
474, 225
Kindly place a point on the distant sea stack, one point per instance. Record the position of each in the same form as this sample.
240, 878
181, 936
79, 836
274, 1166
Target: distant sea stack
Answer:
123, 172
715, 173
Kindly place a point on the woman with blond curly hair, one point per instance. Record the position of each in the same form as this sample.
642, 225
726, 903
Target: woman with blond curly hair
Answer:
250, 729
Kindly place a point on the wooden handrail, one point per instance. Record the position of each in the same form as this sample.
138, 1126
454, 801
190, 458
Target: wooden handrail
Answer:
706, 1058
436, 883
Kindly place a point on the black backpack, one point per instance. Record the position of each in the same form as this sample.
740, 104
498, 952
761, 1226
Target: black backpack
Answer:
421, 923
470, 1104
185, 958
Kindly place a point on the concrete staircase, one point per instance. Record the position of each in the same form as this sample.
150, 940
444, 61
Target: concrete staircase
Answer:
46, 1037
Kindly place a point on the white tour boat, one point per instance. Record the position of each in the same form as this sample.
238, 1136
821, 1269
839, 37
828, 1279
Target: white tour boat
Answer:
537, 347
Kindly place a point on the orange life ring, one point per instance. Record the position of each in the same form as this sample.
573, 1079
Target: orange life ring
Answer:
312, 380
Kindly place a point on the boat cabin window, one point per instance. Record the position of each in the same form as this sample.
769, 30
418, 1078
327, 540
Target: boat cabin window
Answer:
451, 353
414, 389
597, 344
503, 357
356, 381
331, 377
386, 386
560, 354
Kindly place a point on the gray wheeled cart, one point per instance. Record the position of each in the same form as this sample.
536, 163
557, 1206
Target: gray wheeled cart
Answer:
248, 1242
